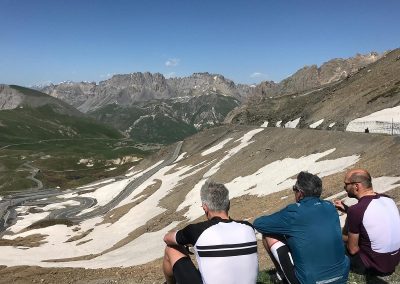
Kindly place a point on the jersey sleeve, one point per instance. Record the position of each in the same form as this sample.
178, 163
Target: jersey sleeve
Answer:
277, 223
190, 234
354, 219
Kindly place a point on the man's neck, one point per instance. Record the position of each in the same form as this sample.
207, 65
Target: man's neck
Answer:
367, 192
220, 214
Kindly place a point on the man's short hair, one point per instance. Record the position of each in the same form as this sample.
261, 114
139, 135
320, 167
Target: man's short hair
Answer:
309, 184
362, 177
215, 196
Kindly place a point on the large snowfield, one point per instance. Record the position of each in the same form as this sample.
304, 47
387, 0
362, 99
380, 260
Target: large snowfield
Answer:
383, 121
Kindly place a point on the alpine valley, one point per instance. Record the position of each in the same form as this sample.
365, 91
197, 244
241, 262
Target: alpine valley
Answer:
92, 175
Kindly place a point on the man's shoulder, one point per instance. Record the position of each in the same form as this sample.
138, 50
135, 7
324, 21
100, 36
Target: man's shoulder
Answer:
243, 222
217, 225
328, 204
202, 224
214, 221
360, 207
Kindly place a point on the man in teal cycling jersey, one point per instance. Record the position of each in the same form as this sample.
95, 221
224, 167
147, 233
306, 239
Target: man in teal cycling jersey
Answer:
306, 233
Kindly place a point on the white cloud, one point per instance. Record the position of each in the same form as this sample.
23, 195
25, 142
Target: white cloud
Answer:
172, 62
258, 75
255, 75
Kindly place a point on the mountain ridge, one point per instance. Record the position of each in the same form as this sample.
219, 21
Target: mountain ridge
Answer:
127, 89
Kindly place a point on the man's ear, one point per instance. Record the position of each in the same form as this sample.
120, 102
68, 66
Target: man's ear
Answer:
357, 188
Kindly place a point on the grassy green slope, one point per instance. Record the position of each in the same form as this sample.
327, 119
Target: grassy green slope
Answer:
55, 143
161, 129
26, 124
166, 121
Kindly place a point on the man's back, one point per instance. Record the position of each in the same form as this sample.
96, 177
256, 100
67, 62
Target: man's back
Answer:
312, 231
316, 242
226, 250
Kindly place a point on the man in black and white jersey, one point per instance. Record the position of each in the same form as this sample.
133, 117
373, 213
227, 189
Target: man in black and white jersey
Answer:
226, 250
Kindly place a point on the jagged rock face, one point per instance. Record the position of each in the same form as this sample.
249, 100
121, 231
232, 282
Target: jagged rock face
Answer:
204, 83
259, 92
128, 89
337, 69
9, 98
73, 93
310, 77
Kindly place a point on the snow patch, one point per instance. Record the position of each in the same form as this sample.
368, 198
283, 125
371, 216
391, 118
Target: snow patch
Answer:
180, 157
383, 121
216, 147
316, 124
292, 123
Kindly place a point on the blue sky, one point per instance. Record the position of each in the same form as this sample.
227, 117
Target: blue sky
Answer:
247, 41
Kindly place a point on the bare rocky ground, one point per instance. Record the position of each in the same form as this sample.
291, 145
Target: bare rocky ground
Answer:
373, 88
380, 154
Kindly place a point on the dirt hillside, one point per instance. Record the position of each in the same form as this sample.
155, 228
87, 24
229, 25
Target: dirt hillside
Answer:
380, 154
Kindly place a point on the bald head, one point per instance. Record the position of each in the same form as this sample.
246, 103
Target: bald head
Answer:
360, 176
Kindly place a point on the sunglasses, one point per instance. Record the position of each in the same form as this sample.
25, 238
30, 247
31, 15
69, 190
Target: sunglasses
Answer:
295, 188
348, 183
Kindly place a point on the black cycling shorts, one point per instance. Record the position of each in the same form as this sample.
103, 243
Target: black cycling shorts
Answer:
185, 272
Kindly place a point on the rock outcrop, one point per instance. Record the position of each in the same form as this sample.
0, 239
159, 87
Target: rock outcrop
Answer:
9, 98
128, 89
310, 77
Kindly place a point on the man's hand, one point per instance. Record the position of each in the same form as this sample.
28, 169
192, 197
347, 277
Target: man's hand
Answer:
340, 206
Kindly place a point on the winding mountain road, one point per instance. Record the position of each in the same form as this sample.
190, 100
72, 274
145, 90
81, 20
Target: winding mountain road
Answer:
127, 190
72, 212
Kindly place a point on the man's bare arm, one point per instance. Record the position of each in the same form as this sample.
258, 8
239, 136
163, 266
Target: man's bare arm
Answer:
352, 243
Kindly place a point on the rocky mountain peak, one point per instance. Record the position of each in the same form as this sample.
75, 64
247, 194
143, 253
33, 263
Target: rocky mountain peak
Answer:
310, 77
134, 79
74, 93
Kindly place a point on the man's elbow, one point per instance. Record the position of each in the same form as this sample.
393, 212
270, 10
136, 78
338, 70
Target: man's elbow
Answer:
169, 238
165, 239
353, 249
